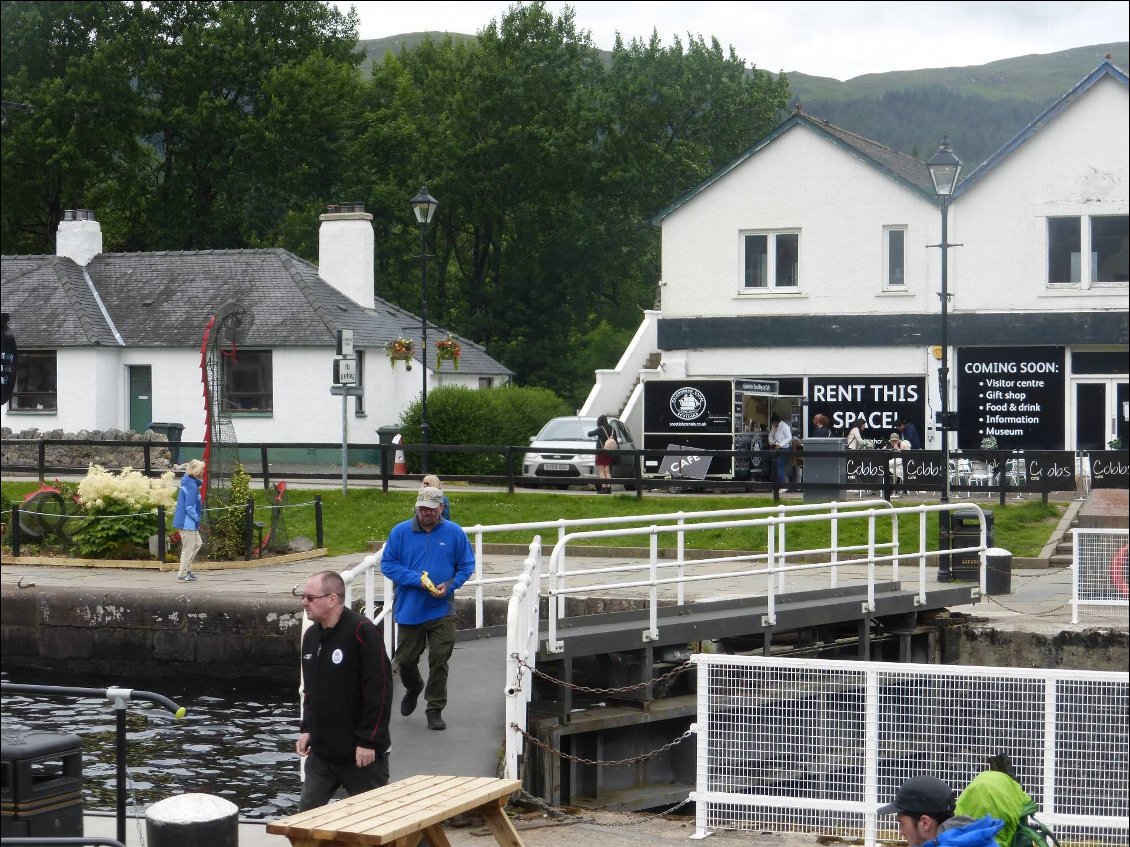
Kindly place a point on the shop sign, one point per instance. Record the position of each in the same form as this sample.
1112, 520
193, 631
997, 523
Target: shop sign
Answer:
879, 401
1012, 394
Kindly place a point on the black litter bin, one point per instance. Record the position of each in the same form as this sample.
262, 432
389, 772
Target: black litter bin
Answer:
385, 434
965, 531
41, 789
171, 431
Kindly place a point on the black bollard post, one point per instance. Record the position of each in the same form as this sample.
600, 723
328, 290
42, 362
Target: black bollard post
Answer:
248, 528
162, 541
15, 530
192, 820
319, 535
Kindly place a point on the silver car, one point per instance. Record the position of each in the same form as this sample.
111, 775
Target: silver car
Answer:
553, 458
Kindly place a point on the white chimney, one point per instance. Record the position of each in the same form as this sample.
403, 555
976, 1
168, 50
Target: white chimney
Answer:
345, 251
79, 237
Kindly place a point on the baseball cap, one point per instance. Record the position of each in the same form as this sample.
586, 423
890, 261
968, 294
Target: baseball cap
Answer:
430, 498
926, 794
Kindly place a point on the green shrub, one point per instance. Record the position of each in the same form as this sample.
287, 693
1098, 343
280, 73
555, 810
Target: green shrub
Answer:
224, 532
498, 416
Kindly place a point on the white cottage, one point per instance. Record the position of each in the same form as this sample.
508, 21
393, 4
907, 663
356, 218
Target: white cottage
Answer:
113, 340
811, 264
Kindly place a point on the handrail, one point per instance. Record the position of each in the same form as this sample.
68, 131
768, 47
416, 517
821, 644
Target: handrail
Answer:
119, 697
522, 622
776, 561
61, 841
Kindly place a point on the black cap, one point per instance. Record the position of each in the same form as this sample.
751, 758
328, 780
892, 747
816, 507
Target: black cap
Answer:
926, 794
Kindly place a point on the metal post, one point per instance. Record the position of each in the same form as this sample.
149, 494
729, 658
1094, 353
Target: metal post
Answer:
344, 438
945, 572
120, 756
162, 543
248, 528
319, 535
424, 340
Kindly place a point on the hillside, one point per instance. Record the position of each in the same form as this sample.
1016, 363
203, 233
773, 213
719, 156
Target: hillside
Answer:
979, 107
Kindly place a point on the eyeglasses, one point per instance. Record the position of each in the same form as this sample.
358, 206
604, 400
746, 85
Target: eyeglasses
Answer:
311, 597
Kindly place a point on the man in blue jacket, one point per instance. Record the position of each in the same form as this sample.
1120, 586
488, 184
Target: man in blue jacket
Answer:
427, 558
924, 808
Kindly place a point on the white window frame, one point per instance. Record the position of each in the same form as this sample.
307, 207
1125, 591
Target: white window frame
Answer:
888, 283
771, 236
1084, 270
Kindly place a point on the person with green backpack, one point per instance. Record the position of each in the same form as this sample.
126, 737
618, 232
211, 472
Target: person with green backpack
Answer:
997, 792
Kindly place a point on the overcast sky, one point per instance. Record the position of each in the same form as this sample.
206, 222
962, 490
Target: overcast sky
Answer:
840, 40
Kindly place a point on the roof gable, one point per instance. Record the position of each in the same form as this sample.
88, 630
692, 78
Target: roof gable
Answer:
1105, 70
905, 170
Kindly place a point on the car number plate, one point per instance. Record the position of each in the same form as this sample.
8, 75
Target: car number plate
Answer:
556, 467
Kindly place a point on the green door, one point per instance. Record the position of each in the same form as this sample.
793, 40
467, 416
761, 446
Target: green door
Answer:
140, 397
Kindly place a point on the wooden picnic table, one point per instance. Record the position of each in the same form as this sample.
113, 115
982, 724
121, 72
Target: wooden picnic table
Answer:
404, 812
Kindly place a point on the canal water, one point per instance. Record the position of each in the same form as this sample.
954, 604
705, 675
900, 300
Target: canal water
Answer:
236, 740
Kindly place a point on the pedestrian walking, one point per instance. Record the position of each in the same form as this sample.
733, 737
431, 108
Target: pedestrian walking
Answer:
187, 517
343, 734
427, 558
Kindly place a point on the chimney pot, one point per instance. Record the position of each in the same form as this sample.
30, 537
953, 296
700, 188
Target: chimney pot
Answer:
68, 214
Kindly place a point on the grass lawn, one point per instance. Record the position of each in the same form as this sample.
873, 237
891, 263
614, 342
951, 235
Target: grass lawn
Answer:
1022, 526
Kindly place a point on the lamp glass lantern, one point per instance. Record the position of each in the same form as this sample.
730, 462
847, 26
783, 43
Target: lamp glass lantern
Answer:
424, 208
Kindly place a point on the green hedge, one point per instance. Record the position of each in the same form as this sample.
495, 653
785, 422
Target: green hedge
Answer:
495, 416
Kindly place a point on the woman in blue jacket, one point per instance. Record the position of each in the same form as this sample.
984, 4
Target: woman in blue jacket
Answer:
187, 516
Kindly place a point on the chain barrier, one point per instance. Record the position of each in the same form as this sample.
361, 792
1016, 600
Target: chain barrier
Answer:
641, 758
589, 690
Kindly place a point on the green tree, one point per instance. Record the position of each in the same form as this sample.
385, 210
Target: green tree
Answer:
77, 142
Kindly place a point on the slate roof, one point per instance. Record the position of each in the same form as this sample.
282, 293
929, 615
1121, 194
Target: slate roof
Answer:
51, 303
165, 299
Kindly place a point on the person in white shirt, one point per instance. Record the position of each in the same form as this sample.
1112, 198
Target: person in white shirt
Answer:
781, 440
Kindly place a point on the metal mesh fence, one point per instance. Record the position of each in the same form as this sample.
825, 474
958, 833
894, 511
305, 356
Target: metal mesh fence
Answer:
796, 745
1099, 583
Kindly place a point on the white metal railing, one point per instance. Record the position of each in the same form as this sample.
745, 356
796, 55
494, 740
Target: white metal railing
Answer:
804, 745
774, 566
1099, 570
478, 534
522, 622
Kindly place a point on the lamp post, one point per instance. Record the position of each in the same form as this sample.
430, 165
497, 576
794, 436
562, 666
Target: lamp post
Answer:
424, 207
945, 167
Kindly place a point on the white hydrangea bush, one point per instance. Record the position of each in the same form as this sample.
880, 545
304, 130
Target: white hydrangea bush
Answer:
141, 493
119, 510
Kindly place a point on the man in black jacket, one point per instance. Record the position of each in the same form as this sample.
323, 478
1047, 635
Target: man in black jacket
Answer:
347, 679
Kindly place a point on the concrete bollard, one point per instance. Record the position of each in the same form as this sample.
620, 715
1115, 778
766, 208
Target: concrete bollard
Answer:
192, 820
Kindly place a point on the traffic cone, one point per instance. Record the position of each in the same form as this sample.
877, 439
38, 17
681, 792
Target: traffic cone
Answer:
399, 467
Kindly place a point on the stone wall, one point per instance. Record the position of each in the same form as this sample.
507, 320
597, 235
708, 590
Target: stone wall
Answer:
22, 449
1093, 649
151, 633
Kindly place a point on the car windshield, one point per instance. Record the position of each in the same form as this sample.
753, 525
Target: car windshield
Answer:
568, 429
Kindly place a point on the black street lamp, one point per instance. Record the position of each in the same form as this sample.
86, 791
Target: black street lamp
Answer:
424, 207
945, 168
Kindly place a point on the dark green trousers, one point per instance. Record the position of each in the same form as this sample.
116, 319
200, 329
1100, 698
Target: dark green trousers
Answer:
438, 636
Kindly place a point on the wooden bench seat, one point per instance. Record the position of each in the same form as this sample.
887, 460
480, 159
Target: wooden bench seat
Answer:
403, 813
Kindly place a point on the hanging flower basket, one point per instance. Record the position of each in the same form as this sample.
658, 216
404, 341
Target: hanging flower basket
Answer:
400, 350
448, 350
